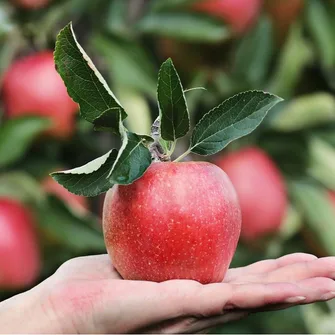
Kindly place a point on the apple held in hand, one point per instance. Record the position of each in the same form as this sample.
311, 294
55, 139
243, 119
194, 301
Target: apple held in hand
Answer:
260, 188
161, 219
239, 14
33, 87
180, 220
19, 251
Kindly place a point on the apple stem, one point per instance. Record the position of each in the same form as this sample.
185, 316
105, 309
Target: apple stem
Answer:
181, 157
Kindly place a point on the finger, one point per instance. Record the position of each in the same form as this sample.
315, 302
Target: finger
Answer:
314, 289
267, 266
322, 267
318, 289
256, 295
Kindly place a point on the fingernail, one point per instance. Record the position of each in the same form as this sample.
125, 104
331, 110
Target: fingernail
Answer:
294, 300
328, 296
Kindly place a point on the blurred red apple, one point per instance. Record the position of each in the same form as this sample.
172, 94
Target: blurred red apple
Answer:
239, 14
260, 188
76, 202
178, 221
31, 4
19, 251
283, 13
32, 86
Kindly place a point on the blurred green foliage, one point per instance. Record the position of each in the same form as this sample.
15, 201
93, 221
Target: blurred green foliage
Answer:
128, 40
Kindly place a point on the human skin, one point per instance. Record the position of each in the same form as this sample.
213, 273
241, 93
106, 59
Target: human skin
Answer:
87, 295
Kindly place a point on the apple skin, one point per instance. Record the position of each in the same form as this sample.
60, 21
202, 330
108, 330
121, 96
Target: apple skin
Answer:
283, 13
178, 221
32, 86
239, 14
19, 251
76, 202
261, 191
31, 4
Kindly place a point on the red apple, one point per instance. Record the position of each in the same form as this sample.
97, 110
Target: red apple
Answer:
31, 4
260, 188
76, 202
283, 13
239, 14
32, 86
178, 221
19, 251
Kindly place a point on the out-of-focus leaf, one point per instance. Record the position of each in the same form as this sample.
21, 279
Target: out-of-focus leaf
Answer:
116, 18
190, 27
91, 179
85, 84
128, 64
193, 97
295, 56
318, 320
133, 158
289, 151
62, 226
319, 22
305, 111
254, 53
318, 211
21, 186
322, 162
162, 5
16, 136
6, 24
292, 223
175, 120
234, 118
139, 117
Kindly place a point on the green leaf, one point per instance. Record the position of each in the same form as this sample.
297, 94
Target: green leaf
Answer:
319, 212
175, 121
85, 84
90, 179
305, 111
62, 226
190, 27
21, 186
254, 54
234, 118
17, 135
133, 159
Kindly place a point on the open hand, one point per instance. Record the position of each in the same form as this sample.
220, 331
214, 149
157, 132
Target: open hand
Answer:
87, 295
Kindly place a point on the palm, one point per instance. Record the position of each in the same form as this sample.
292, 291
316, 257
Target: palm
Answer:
92, 290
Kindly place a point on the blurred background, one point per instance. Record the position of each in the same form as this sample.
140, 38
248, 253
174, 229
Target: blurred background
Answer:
284, 172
